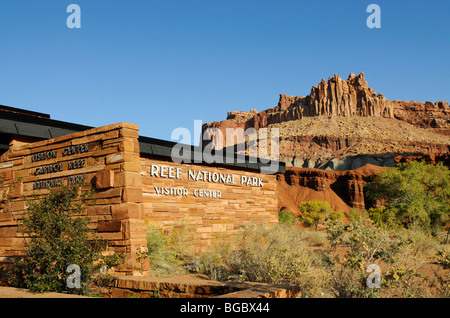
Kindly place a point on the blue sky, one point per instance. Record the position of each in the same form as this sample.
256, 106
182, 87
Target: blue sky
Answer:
164, 64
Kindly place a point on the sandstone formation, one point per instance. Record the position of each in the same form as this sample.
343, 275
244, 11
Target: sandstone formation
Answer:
353, 97
338, 97
338, 137
340, 121
343, 190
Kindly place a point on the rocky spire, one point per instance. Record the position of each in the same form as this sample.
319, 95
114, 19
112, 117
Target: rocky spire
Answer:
352, 97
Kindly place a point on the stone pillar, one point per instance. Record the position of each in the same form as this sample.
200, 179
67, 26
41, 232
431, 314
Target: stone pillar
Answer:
123, 171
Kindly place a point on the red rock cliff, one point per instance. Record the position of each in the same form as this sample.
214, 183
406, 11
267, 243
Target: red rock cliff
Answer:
342, 189
338, 97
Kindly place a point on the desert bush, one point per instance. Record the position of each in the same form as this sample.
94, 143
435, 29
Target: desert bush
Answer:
352, 215
316, 212
423, 244
57, 236
167, 251
334, 216
314, 238
384, 217
362, 244
219, 260
337, 262
275, 255
286, 217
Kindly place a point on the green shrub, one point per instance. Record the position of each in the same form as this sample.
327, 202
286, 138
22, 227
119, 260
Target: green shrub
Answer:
334, 216
380, 216
286, 217
166, 251
423, 244
353, 215
414, 194
57, 236
315, 212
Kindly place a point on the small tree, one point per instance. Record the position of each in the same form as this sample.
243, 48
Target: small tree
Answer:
57, 237
314, 212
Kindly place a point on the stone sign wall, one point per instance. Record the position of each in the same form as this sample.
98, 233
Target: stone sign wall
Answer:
106, 158
212, 200
131, 191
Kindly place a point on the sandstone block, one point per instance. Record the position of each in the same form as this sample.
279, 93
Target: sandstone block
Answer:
114, 158
127, 211
104, 179
109, 226
126, 179
132, 195
98, 210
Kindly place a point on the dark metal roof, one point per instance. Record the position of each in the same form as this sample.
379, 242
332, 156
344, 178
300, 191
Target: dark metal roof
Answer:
23, 111
15, 121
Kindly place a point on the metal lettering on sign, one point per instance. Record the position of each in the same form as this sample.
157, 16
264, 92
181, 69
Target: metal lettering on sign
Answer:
74, 150
164, 171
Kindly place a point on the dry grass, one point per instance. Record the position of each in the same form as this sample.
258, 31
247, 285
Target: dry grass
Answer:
290, 255
276, 256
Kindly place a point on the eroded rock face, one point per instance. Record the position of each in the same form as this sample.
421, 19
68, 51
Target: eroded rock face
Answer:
338, 97
343, 119
352, 97
343, 190
429, 115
